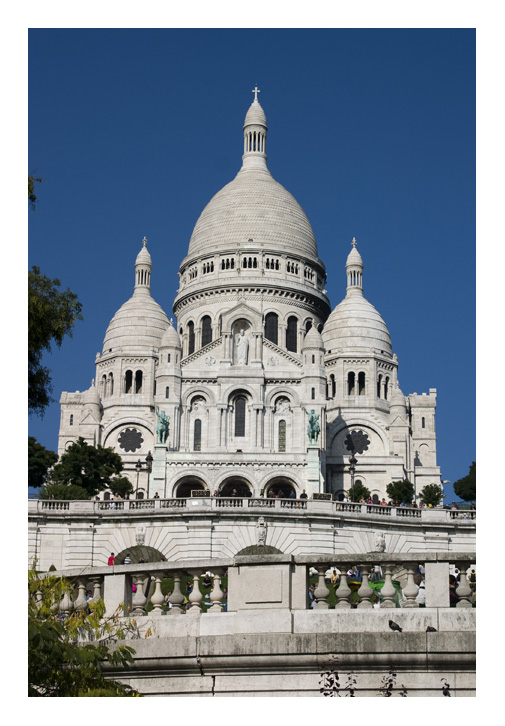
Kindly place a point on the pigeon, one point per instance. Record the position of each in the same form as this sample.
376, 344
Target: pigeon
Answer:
395, 626
430, 629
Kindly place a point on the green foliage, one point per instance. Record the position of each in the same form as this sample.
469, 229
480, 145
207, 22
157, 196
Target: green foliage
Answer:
358, 492
32, 198
401, 491
65, 492
51, 316
40, 460
92, 468
432, 494
465, 488
57, 665
121, 485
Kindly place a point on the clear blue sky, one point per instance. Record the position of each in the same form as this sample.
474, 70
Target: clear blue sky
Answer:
372, 131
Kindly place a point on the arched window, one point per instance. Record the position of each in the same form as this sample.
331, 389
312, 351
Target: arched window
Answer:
292, 334
191, 338
313, 394
206, 330
361, 383
282, 435
111, 384
308, 326
168, 357
128, 382
103, 385
379, 384
72, 419
386, 387
350, 384
423, 422
333, 387
167, 392
271, 327
138, 382
240, 404
197, 437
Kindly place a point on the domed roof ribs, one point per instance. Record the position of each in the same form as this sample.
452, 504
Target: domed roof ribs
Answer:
255, 136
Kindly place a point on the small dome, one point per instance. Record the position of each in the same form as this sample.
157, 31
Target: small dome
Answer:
143, 257
354, 258
170, 338
397, 397
139, 323
313, 339
255, 115
355, 325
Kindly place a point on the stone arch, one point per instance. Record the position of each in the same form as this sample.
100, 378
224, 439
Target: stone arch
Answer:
202, 391
138, 553
366, 427
279, 391
185, 484
282, 486
236, 482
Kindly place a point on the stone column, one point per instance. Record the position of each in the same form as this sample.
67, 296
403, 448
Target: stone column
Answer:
365, 592
321, 592
176, 598
157, 598
388, 591
411, 589
463, 590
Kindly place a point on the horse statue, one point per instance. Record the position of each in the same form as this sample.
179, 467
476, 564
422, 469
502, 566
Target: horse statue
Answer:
162, 426
313, 428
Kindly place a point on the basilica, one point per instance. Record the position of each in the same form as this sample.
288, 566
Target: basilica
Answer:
259, 387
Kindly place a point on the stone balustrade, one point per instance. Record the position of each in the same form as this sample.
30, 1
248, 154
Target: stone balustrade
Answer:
350, 509
271, 582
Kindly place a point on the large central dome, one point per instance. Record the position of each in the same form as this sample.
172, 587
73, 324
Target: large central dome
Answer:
253, 206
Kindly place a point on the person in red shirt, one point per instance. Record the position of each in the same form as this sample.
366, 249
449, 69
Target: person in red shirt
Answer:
111, 558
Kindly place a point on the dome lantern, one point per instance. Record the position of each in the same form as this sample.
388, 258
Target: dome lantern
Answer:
143, 267
255, 135
354, 269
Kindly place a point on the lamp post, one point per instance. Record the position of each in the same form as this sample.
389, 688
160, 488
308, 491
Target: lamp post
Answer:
352, 468
149, 465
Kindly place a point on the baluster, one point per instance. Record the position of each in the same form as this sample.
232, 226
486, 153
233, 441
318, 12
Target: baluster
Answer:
411, 589
216, 595
365, 592
66, 605
463, 590
321, 592
388, 591
139, 600
38, 597
97, 588
157, 598
80, 602
343, 591
195, 596
176, 598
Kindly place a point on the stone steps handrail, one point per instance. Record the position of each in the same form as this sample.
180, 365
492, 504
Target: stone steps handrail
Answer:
247, 504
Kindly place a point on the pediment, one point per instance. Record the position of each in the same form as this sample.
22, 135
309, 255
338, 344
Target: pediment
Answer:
241, 312
88, 418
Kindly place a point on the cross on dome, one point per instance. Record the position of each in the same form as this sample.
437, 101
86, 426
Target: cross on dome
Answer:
144, 241
256, 90
354, 241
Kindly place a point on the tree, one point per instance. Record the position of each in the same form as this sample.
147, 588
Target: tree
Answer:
121, 485
60, 661
65, 492
400, 492
51, 316
465, 488
32, 198
358, 492
91, 467
432, 494
40, 460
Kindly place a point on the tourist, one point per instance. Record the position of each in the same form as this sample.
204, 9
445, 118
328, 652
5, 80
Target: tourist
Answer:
303, 495
207, 580
156, 496
312, 597
421, 596
189, 587
111, 559
453, 595
334, 577
127, 560
376, 603
383, 502
167, 600
224, 600
454, 507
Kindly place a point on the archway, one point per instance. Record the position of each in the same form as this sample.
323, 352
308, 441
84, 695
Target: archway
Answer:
187, 485
282, 487
139, 553
235, 486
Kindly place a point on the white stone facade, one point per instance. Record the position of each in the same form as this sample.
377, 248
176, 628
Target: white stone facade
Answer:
255, 349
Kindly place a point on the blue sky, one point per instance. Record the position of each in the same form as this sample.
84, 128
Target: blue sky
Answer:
372, 131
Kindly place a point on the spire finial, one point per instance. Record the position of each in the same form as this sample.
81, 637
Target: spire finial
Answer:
144, 241
354, 241
256, 90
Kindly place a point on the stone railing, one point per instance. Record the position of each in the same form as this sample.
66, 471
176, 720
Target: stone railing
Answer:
274, 582
252, 504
